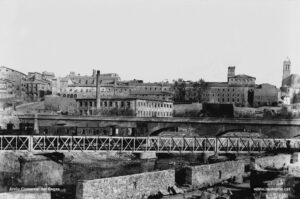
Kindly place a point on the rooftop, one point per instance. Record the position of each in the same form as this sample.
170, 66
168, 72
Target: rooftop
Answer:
122, 98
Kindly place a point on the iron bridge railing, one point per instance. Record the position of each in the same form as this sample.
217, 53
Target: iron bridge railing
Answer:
143, 144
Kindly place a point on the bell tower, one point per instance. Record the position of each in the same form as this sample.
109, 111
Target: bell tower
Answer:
286, 68
231, 72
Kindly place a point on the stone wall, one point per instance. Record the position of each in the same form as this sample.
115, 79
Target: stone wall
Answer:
276, 161
40, 171
209, 174
135, 186
26, 195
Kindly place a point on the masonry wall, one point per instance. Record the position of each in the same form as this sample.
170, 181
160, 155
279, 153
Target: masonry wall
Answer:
276, 161
40, 171
135, 186
26, 195
205, 175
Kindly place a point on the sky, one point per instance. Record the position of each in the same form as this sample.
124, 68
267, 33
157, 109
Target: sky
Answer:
153, 40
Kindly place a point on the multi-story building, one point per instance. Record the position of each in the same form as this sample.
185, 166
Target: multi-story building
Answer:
85, 86
15, 77
88, 80
48, 75
265, 95
89, 90
36, 86
221, 92
6, 88
238, 90
290, 86
132, 106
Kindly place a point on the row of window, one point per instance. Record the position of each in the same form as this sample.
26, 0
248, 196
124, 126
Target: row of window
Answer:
154, 114
153, 89
154, 104
240, 80
223, 95
228, 100
225, 89
90, 90
104, 104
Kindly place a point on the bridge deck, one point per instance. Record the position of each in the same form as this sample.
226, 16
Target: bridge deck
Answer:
143, 144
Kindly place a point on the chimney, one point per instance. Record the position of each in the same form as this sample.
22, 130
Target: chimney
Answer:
98, 90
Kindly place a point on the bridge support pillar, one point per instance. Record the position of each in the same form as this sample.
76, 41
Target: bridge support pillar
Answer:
148, 155
205, 156
36, 124
296, 158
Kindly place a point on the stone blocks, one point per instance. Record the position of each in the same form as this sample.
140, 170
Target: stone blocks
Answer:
205, 175
135, 186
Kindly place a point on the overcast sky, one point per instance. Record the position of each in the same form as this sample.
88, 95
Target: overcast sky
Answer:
152, 40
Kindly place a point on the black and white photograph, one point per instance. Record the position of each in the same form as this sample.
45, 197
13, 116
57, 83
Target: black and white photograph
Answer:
149, 99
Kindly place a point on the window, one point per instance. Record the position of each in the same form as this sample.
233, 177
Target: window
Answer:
85, 103
91, 103
110, 103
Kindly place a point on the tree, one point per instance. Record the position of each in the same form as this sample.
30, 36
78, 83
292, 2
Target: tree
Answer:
180, 89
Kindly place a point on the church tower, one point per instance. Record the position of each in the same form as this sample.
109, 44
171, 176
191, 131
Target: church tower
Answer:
286, 68
231, 72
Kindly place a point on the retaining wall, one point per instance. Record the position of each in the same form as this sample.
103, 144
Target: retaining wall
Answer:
277, 161
135, 186
40, 171
205, 175
26, 195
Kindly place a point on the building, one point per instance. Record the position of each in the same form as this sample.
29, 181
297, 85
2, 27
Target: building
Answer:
221, 92
6, 89
15, 77
86, 87
265, 95
158, 90
89, 90
48, 75
88, 80
129, 106
290, 86
161, 95
238, 90
36, 86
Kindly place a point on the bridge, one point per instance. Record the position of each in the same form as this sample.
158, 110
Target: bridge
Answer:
146, 144
287, 128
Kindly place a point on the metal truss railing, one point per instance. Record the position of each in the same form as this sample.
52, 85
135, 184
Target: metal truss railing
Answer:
143, 144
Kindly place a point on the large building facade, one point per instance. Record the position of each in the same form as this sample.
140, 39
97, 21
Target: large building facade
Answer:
238, 90
129, 106
6, 88
75, 86
13, 78
36, 86
265, 95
